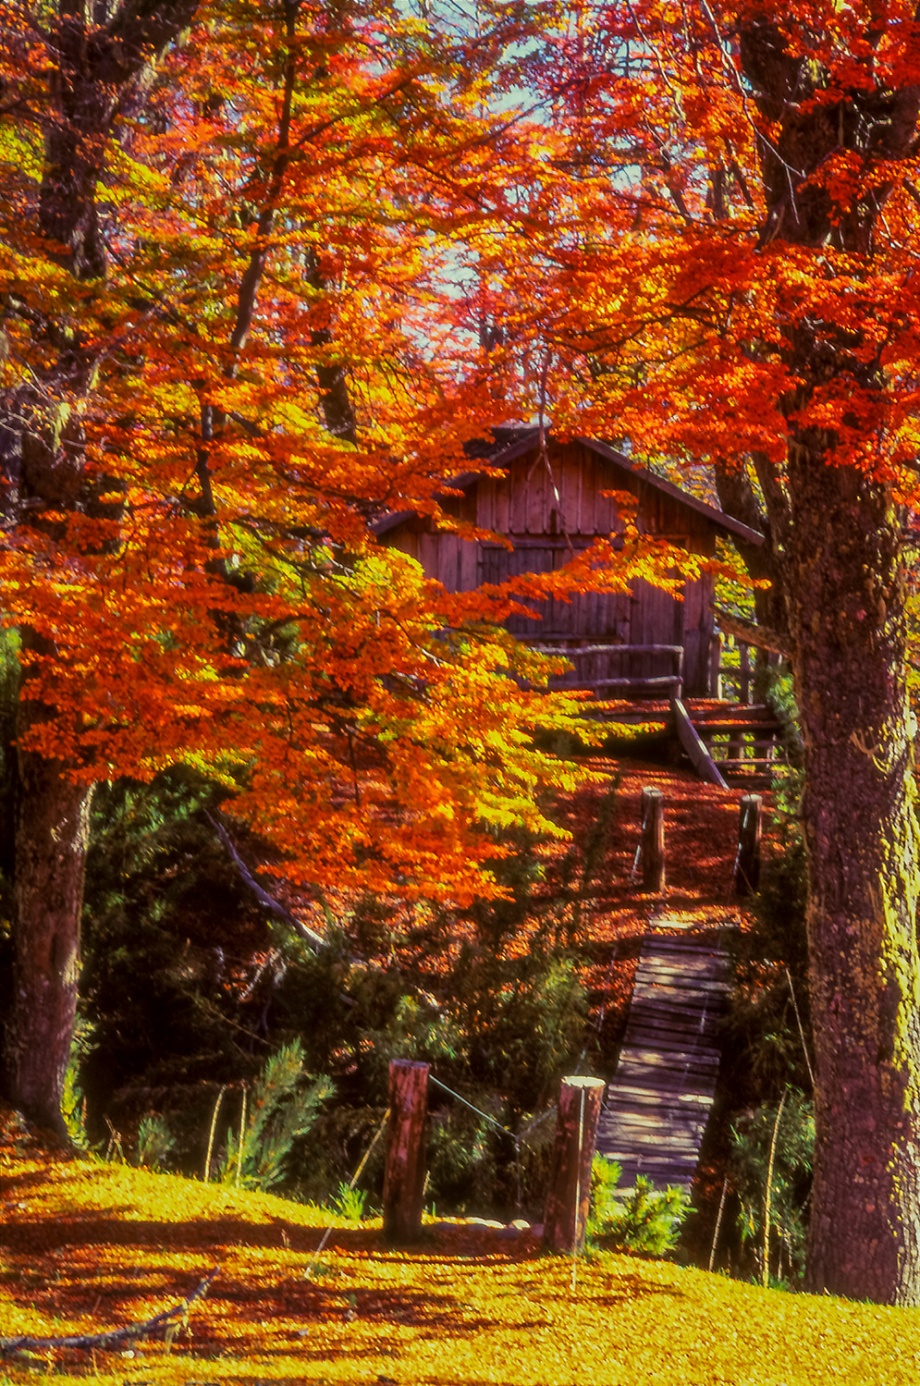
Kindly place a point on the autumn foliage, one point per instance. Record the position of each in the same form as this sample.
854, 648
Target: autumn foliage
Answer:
264, 272
253, 337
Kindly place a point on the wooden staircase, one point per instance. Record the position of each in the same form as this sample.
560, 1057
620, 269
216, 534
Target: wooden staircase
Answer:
659, 1100
743, 739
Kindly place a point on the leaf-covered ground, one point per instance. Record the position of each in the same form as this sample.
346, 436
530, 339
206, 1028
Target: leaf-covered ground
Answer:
86, 1247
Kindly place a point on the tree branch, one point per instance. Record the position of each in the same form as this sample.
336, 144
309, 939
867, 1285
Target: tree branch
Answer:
751, 633
115, 1336
268, 902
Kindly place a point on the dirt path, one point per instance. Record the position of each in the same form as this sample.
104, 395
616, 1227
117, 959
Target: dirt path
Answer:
701, 835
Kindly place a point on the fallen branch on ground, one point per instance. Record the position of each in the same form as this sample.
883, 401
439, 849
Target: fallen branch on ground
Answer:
115, 1336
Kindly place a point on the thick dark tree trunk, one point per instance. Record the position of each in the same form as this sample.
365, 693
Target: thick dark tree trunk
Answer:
96, 66
846, 597
52, 831
844, 583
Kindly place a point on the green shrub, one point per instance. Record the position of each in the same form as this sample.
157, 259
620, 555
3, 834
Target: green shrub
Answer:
349, 1203
279, 1110
188, 985
155, 1144
751, 1139
642, 1219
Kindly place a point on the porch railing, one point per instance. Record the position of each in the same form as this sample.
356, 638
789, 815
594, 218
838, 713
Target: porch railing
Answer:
594, 666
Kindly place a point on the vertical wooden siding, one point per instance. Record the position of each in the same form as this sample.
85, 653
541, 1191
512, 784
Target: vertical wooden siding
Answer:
546, 512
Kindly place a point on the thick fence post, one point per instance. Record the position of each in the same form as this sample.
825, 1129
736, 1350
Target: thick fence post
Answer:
747, 866
404, 1179
652, 849
569, 1194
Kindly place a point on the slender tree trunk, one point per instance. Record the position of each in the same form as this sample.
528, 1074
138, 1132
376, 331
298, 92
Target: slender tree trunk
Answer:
846, 595
52, 831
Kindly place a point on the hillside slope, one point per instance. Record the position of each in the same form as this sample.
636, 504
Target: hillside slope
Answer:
86, 1247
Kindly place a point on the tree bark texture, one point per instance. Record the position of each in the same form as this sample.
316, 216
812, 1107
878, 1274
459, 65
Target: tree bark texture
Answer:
844, 583
52, 834
95, 71
846, 594
652, 849
404, 1179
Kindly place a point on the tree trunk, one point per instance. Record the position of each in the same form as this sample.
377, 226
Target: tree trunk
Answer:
846, 600
96, 68
52, 831
845, 589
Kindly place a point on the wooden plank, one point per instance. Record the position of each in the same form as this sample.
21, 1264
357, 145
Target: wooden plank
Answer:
692, 970
646, 1155
678, 1007
665, 1141
537, 498
641, 1118
691, 1005
568, 472
667, 1038
670, 1086
642, 1095
628, 1152
702, 1055
658, 1106
608, 647
701, 973
689, 959
638, 1073
469, 561
690, 1024
638, 1090
639, 1099
661, 946
681, 1001
655, 1146
673, 1045
625, 1128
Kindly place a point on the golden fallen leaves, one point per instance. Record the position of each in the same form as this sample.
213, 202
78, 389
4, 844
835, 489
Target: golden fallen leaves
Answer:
86, 1247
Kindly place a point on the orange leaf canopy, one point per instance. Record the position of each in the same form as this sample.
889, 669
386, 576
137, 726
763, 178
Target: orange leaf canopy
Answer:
301, 226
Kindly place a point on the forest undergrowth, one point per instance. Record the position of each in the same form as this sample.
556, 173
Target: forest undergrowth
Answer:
190, 987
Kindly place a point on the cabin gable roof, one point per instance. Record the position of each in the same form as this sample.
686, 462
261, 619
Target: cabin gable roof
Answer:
510, 449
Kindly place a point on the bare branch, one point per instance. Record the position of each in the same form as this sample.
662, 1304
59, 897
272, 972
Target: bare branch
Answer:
102, 1342
275, 907
751, 633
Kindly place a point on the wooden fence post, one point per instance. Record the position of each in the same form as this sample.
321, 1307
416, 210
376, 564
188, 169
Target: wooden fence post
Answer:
715, 665
747, 865
652, 848
404, 1178
569, 1194
744, 690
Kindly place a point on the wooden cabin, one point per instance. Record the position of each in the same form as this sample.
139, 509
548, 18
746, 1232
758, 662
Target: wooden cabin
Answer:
645, 643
